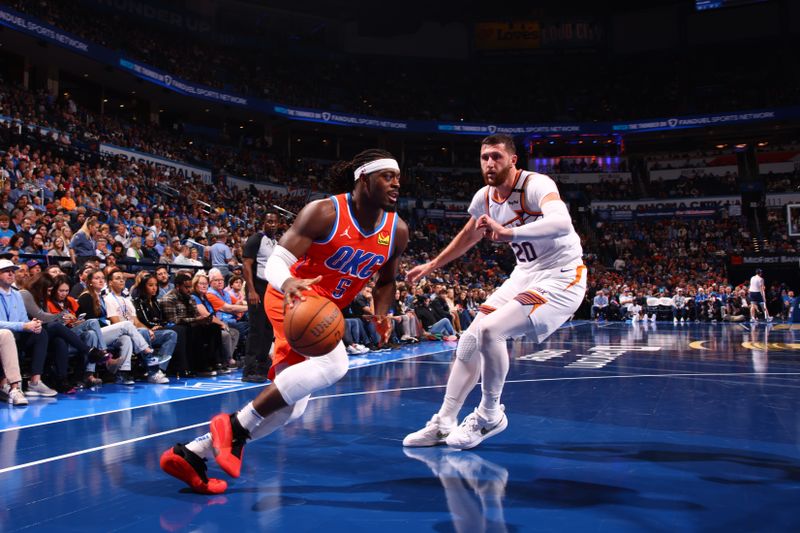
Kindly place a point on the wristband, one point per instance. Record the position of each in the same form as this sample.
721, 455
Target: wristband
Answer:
278, 266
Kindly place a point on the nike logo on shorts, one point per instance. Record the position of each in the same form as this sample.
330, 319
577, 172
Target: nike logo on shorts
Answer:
567, 269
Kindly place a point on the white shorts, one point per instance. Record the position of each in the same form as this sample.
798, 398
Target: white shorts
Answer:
552, 296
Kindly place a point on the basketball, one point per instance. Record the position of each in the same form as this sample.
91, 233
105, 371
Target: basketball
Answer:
314, 326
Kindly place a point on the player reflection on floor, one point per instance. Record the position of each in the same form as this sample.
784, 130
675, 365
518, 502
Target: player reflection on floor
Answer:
465, 475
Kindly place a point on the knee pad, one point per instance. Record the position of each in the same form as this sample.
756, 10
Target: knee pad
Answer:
467, 346
338, 363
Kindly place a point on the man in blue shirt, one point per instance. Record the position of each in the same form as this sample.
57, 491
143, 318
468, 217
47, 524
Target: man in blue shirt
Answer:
599, 305
699, 305
28, 334
221, 254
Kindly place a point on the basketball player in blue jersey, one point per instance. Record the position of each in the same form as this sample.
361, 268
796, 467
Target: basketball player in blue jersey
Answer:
544, 290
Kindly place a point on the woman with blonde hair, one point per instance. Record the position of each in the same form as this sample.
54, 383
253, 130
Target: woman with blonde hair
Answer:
135, 250
167, 257
60, 248
83, 244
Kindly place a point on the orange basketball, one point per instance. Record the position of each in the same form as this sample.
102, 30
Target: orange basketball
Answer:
314, 326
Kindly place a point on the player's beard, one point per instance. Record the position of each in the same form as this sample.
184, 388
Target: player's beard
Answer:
499, 177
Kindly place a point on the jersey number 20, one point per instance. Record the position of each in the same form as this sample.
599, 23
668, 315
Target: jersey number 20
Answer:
524, 251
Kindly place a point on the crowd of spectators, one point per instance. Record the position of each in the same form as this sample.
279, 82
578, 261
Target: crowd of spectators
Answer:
59, 120
125, 271
702, 303
659, 259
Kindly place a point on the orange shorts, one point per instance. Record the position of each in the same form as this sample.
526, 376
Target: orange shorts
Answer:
273, 305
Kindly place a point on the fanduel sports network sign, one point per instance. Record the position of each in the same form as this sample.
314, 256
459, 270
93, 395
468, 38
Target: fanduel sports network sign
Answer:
40, 30
510, 129
17, 21
178, 85
340, 119
703, 121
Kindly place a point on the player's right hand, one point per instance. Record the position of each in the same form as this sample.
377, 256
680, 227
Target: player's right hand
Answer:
419, 271
293, 289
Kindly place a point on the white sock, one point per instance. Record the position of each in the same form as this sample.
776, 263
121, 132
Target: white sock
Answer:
249, 418
448, 414
489, 409
463, 378
201, 446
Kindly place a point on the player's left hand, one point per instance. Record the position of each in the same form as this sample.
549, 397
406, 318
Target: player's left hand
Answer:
494, 230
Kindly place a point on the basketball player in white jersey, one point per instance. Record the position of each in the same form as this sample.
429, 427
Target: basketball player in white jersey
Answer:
544, 290
758, 297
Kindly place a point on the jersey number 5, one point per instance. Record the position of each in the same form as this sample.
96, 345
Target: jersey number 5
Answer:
524, 251
341, 287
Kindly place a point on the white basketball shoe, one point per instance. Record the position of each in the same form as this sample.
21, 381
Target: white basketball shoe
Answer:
475, 429
433, 434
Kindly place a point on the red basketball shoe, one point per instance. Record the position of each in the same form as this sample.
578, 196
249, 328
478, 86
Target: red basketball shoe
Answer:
228, 438
183, 464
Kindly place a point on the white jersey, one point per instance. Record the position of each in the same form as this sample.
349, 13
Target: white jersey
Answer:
522, 207
756, 283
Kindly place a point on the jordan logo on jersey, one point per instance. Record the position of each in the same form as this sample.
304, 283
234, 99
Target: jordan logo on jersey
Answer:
345, 233
354, 262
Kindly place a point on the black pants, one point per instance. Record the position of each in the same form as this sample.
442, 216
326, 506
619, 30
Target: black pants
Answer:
180, 360
60, 339
259, 339
34, 345
204, 347
243, 327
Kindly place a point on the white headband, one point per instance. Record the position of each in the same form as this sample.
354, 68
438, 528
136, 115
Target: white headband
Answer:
378, 164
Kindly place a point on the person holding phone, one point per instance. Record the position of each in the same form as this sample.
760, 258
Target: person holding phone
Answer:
59, 302
150, 314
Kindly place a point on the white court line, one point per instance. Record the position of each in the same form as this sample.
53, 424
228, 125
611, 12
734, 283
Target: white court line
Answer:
101, 413
97, 448
401, 389
165, 402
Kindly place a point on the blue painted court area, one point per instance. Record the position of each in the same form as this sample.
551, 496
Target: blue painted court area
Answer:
612, 427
